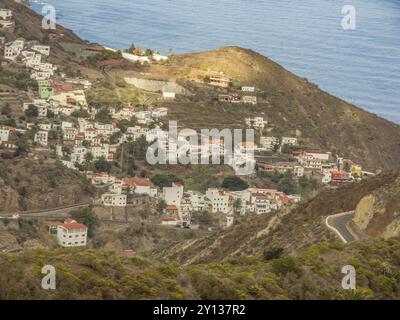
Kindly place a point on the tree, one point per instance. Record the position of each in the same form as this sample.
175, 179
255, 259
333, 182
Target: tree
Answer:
6, 110
87, 217
283, 266
132, 48
149, 52
50, 114
22, 146
161, 206
103, 116
32, 111
237, 204
115, 137
286, 185
164, 180
102, 165
88, 158
234, 183
273, 253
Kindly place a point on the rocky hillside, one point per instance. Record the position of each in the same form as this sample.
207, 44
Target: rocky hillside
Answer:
34, 184
292, 105
378, 213
300, 227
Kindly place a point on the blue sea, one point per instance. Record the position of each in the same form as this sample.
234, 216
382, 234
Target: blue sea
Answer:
361, 66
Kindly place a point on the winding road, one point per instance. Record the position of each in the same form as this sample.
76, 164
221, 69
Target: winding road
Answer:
339, 223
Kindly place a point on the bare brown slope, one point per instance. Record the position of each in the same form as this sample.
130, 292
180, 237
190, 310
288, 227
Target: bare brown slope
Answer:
294, 229
29, 24
294, 103
29, 184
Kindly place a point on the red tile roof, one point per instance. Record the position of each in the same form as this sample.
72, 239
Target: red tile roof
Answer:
74, 226
138, 182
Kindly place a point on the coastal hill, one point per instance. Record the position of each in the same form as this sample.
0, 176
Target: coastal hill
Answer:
299, 228
292, 105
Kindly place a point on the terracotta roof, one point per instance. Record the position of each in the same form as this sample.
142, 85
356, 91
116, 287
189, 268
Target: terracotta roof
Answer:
74, 226
315, 151
53, 223
136, 182
169, 219
171, 207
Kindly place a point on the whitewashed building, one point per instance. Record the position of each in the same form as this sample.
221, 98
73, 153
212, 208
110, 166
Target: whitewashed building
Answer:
114, 200
72, 234
42, 137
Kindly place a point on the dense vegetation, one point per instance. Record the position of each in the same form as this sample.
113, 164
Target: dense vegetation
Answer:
313, 274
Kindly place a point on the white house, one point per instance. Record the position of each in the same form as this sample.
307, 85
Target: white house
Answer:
140, 186
229, 219
5, 14
220, 201
248, 89
42, 137
45, 50
290, 141
173, 195
69, 134
298, 171
45, 126
5, 133
256, 122
72, 234
168, 92
269, 143
11, 53
159, 112
114, 200
326, 177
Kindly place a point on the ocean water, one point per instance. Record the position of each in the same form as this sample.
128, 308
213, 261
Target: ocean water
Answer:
361, 66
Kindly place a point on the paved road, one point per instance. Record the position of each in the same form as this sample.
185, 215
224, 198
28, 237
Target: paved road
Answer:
57, 212
338, 223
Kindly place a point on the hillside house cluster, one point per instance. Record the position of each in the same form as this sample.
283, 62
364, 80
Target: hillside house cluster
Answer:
33, 55
331, 169
181, 204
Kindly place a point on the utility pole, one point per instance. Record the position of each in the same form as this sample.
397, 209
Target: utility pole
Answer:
122, 157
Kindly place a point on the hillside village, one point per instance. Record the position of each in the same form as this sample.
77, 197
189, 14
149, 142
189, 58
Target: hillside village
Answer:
59, 122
